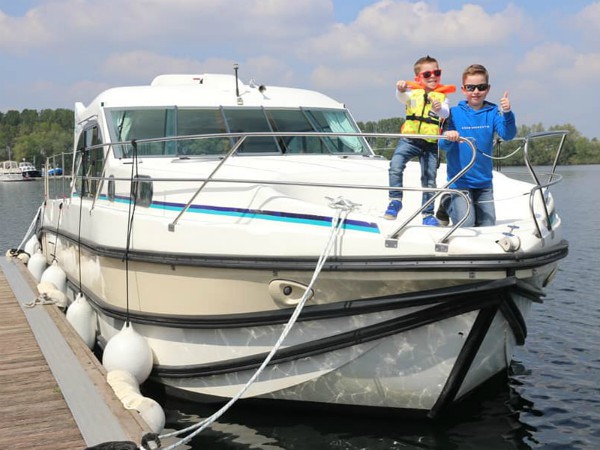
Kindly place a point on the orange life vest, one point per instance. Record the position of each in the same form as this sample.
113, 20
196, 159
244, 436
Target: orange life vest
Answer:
420, 118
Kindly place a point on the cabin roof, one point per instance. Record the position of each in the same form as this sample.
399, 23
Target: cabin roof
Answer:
209, 90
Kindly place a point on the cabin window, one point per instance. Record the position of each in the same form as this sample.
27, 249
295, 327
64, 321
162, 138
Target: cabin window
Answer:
251, 120
295, 120
187, 131
194, 122
337, 122
131, 125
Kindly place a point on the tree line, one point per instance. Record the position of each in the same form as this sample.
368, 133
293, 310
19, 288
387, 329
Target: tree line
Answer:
34, 135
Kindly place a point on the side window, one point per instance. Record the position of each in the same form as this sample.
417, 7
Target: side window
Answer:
89, 163
127, 125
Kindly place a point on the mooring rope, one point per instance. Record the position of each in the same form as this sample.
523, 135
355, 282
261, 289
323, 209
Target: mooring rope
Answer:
130, 214
84, 157
42, 299
343, 208
30, 229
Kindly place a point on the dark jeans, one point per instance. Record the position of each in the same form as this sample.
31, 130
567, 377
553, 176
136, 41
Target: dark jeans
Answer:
407, 149
482, 213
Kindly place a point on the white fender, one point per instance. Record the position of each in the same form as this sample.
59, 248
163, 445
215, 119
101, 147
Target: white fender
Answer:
54, 274
37, 265
83, 318
129, 351
23, 257
125, 387
32, 245
150, 410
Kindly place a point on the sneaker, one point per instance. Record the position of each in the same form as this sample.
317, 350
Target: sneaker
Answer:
442, 214
442, 217
392, 210
431, 221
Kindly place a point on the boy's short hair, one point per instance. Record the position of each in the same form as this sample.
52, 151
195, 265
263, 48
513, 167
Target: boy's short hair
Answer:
475, 69
423, 60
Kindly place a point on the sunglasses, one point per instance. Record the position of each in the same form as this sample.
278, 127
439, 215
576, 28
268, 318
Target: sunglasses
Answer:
480, 87
427, 74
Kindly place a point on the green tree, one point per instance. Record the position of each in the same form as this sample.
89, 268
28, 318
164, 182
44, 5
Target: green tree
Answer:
383, 145
33, 136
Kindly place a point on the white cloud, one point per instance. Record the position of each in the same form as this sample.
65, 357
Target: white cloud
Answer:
61, 51
145, 65
331, 79
545, 59
590, 12
586, 21
17, 34
560, 64
389, 29
161, 24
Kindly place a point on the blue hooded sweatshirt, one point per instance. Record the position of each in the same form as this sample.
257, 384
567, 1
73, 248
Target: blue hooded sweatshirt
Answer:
480, 126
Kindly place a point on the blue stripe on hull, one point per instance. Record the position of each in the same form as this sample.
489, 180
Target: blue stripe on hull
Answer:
278, 216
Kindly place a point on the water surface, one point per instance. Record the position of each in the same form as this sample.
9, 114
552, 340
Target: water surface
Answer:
551, 399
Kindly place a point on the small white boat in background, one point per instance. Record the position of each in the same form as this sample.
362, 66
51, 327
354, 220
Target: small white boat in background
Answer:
29, 171
212, 214
10, 171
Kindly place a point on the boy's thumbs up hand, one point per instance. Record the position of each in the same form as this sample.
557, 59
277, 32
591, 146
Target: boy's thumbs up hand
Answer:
505, 102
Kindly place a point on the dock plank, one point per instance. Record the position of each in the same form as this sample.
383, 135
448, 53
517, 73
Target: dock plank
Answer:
53, 390
34, 412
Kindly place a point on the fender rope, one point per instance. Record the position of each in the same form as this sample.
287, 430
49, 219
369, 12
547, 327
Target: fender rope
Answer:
42, 299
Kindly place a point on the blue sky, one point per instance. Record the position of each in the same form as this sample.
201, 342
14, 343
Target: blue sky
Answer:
56, 52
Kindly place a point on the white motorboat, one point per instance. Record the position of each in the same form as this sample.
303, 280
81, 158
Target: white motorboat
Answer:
10, 171
28, 170
210, 214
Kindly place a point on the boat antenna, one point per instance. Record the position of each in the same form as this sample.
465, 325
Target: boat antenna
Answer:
236, 66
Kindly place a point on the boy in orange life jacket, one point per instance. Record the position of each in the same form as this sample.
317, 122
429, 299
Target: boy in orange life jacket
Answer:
426, 106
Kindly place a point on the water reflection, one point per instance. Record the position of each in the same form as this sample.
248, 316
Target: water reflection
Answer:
488, 420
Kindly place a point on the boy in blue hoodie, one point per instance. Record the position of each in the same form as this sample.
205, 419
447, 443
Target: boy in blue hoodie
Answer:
479, 120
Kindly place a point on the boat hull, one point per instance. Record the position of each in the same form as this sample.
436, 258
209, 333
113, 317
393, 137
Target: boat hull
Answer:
424, 356
409, 337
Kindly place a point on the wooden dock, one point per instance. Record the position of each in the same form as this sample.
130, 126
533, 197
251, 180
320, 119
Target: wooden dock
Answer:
53, 390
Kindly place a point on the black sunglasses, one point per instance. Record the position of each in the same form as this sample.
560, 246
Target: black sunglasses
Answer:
480, 87
436, 72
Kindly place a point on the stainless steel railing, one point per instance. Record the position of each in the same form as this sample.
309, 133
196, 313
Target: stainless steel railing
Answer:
239, 138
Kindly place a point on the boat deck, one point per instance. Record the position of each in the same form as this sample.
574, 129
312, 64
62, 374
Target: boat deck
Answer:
53, 390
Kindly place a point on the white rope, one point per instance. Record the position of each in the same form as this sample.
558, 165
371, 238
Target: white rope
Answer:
30, 228
42, 299
343, 208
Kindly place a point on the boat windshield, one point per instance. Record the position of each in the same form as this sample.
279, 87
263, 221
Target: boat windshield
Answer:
189, 129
